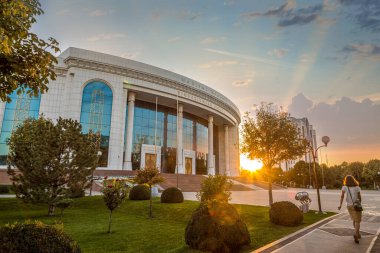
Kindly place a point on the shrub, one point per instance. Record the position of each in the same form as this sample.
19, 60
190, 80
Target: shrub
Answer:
63, 204
215, 188
76, 190
285, 213
35, 237
172, 195
4, 189
216, 227
139, 192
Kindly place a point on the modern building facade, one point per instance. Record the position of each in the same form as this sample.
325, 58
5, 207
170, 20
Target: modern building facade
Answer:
146, 116
305, 130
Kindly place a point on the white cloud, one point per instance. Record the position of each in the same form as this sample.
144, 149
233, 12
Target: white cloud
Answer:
242, 83
130, 55
211, 40
278, 52
217, 64
307, 58
174, 39
104, 36
98, 13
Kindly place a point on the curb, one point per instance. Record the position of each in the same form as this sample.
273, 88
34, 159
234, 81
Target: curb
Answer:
289, 238
374, 242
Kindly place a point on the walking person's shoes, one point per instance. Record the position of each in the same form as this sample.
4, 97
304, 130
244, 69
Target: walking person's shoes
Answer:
359, 236
356, 238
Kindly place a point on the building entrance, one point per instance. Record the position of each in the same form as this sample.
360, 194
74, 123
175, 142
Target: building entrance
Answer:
188, 165
150, 161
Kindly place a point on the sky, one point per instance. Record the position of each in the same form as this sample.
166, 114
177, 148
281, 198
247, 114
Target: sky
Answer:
316, 59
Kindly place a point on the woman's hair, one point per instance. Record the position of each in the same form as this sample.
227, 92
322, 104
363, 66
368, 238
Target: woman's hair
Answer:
350, 181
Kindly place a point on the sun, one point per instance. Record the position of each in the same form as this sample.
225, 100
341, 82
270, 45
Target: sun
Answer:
251, 165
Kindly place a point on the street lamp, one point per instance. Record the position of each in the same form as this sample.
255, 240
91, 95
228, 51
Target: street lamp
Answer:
325, 140
92, 175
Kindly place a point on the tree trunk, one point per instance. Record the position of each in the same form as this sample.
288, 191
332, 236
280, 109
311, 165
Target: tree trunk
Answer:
109, 222
51, 210
270, 187
150, 202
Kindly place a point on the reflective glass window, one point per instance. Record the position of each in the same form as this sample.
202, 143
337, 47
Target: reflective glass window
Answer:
96, 114
20, 108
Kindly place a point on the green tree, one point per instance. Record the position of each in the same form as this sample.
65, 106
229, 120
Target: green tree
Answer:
114, 193
371, 171
25, 60
356, 169
49, 158
215, 188
149, 176
271, 137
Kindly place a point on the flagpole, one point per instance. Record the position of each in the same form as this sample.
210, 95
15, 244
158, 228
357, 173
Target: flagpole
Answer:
177, 142
155, 133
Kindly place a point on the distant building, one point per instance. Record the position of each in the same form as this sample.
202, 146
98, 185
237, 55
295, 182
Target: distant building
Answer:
305, 130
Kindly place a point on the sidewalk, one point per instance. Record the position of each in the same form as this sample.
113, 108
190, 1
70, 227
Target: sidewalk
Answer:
333, 235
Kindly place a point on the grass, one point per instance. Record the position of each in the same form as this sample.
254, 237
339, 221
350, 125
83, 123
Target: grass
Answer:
132, 231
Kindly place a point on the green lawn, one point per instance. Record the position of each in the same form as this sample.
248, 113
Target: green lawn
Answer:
133, 231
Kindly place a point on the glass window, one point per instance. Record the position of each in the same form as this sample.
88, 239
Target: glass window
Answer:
96, 114
19, 109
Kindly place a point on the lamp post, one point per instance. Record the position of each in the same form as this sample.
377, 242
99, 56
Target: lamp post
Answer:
92, 175
325, 140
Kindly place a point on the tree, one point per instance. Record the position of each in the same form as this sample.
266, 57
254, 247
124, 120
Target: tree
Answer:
371, 171
49, 158
215, 188
114, 193
149, 176
271, 137
25, 60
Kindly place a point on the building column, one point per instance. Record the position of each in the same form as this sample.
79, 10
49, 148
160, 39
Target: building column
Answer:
180, 168
128, 150
226, 153
210, 162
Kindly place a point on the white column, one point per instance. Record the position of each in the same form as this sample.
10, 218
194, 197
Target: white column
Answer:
210, 162
226, 153
179, 140
128, 150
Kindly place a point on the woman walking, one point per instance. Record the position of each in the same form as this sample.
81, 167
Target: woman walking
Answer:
351, 187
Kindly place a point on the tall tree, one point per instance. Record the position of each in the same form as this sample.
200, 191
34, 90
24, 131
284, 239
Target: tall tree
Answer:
271, 137
371, 171
49, 158
25, 60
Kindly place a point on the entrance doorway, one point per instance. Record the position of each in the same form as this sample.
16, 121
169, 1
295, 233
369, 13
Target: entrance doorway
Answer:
150, 160
188, 165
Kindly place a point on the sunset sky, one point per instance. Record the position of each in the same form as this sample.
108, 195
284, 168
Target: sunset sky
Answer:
317, 59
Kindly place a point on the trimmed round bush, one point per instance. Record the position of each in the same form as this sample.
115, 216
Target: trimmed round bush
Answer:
35, 237
285, 213
4, 189
172, 195
216, 227
139, 192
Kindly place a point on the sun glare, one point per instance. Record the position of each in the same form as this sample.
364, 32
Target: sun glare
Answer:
251, 165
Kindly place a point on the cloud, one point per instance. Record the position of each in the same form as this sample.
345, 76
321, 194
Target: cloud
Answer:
189, 15
306, 58
62, 12
371, 51
174, 39
288, 14
278, 52
99, 13
108, 36
242, 83
217, 64
212, 40
349, 123
366, 13
131, 56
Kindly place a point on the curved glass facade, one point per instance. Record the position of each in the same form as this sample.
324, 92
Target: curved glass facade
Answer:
20, 108
195, 135
96, 114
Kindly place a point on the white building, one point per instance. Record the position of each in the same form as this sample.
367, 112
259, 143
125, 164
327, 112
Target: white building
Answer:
305, 130
147, 116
